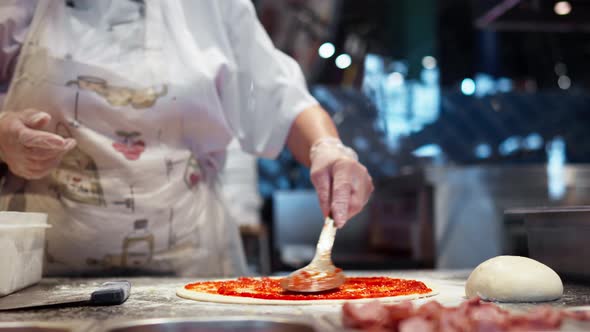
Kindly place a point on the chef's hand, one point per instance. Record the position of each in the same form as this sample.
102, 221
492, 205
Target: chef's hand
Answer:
28, 151
342, 183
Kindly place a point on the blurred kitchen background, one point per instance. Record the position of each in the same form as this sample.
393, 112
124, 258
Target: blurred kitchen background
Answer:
460, 109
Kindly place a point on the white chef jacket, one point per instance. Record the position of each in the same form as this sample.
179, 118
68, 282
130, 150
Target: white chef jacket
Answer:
153, 92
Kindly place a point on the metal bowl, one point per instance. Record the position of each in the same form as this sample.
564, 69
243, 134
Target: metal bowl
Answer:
219, 324
559, 237
33, 327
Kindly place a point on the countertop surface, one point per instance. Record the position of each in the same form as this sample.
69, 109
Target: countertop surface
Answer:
156, 298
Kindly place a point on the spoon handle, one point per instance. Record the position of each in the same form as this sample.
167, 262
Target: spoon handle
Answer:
326, 240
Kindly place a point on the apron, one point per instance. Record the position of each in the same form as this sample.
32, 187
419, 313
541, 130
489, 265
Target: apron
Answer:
139, 193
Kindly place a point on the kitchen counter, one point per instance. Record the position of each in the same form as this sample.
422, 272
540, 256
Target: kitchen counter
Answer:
156, 298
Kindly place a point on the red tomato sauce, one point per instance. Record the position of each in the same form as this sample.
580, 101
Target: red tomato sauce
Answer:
353, 288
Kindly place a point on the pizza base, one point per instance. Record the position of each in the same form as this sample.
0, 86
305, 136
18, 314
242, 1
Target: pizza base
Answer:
216, 298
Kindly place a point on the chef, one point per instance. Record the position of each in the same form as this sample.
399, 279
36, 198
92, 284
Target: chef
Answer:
117, 117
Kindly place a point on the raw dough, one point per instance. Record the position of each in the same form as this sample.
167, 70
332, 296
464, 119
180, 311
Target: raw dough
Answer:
514, 279
206, 297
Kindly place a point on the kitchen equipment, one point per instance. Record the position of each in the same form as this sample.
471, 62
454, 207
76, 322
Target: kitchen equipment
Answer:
22, 242
44, 326
108, 293
558, 237
220, 324
320, 274
401, 220
20, 327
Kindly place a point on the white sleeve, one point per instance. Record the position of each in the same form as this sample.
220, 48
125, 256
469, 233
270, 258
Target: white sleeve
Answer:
266, 91
15, 17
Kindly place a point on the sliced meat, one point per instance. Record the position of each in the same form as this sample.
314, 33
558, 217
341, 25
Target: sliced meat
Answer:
417, 324
472, 315
542, 318
365, 316
398, 313
490, 313
454, 321
430, 310
577, 315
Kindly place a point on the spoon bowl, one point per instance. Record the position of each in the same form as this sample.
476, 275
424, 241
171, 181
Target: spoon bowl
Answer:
321, 274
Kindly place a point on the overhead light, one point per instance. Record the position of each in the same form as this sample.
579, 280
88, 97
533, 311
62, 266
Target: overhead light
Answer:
429, 62
343, 61
428, 150
326, 50
533, 141
510, 145
564, 82
562, 8
468, 86
486, 85
395, 79
483, 151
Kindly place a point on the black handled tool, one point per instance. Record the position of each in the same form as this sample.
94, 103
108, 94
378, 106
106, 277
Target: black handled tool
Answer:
43, 295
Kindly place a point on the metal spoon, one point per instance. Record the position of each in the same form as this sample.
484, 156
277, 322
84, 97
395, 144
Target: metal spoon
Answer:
320, 274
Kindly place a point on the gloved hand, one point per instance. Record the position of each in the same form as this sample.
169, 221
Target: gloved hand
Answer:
342, 183
30, 152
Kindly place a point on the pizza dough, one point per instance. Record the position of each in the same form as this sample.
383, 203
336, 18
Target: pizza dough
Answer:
514, 279
207, 297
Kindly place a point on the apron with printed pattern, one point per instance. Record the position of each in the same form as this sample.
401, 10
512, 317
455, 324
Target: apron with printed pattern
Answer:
134, 195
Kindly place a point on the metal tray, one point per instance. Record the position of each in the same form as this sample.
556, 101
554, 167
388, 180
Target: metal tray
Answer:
559, 237
219, 324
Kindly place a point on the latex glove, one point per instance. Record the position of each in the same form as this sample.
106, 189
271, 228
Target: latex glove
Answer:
30, 152
342, 183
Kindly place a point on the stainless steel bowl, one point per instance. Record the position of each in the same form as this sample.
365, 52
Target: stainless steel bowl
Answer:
559, 237
27, 328
220, 324
33, 327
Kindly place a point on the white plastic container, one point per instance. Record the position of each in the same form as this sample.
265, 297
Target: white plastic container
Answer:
22, 244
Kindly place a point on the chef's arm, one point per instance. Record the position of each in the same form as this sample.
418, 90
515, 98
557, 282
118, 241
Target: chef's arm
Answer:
343, 185
309, 126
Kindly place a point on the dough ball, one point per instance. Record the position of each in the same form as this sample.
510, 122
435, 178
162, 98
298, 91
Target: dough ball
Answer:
514, 279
